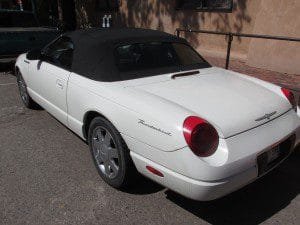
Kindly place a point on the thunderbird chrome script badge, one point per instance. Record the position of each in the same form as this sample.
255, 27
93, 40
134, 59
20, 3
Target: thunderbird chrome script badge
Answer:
153, 127
266, 116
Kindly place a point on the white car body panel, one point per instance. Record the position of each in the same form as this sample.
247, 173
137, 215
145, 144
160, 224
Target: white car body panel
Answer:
48, 85
132, 107
204, 94
149, 114
234, 154
195, 189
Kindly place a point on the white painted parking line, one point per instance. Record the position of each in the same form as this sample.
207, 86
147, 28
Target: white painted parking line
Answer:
7, 84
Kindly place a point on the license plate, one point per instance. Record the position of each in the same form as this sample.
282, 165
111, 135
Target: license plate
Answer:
269, 159
273, 154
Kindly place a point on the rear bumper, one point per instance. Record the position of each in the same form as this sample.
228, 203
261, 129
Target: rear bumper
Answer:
195, 189
213, 177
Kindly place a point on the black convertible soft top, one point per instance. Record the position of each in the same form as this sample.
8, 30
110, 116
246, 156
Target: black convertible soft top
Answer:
93, 55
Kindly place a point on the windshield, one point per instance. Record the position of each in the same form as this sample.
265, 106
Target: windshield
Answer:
157, 58
16, 5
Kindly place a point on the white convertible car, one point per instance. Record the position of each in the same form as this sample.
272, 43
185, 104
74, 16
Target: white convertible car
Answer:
146, 101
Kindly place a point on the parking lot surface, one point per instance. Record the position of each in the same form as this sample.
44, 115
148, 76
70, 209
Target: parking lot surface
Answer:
47, 177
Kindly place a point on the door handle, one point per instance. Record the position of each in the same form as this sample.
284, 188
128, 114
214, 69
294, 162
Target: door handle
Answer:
59, 84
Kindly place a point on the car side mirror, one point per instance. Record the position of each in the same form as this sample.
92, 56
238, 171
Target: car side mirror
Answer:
34, 54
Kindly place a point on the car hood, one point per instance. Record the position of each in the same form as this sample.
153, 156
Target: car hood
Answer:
232, 103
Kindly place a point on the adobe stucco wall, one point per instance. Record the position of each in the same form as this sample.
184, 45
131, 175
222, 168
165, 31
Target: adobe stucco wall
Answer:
160, 14
281, 18
275, 17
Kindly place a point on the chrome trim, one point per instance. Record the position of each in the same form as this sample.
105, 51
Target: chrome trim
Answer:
266, 116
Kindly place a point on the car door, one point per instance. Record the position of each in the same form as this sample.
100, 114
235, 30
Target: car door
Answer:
49, 77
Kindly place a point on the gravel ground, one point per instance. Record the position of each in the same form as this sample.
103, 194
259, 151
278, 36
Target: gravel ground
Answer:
47, 177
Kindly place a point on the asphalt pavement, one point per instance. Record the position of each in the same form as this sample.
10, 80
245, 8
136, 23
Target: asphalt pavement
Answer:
47, 177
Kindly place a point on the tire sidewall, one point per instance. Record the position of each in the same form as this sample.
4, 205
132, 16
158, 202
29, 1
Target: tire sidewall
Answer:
19, 78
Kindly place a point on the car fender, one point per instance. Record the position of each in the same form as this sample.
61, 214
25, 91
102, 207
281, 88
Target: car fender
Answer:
22, 66
85, 95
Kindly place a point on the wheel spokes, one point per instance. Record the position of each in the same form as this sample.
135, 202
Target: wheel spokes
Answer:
113, 153
98, 135
105, 152
106, 168
113, 167
96, 145
107, 139
99, 158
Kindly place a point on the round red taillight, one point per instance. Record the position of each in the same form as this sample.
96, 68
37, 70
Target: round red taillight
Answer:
201, 136
290, 96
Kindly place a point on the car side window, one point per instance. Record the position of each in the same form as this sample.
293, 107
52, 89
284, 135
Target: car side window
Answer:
60, 53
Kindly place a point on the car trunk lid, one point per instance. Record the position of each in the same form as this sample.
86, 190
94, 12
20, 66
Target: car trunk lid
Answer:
229, 102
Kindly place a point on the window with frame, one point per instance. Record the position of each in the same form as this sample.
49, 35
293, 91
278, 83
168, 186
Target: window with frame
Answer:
60, 52
107, 5
206, 5
16, 5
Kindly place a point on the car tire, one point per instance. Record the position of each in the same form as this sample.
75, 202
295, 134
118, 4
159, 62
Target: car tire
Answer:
25, 97
111, 154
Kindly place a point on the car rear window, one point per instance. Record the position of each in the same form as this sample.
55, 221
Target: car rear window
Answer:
154, 56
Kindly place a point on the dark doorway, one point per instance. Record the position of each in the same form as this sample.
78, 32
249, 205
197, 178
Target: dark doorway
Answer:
47, 12
68, 14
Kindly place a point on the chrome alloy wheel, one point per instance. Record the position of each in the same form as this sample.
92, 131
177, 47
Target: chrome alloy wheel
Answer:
105, 152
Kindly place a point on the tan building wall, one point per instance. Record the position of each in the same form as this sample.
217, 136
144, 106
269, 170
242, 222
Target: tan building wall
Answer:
157, 14
281, 18
276, 17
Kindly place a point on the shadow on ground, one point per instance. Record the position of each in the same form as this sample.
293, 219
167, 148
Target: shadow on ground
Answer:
252, 204
144, 187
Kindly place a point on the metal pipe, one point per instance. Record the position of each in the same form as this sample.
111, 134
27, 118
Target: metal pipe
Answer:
108, 18
281, 38
231, 35
230, 39
104, 21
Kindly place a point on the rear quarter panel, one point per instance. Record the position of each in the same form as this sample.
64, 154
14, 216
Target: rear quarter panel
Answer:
124, 110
